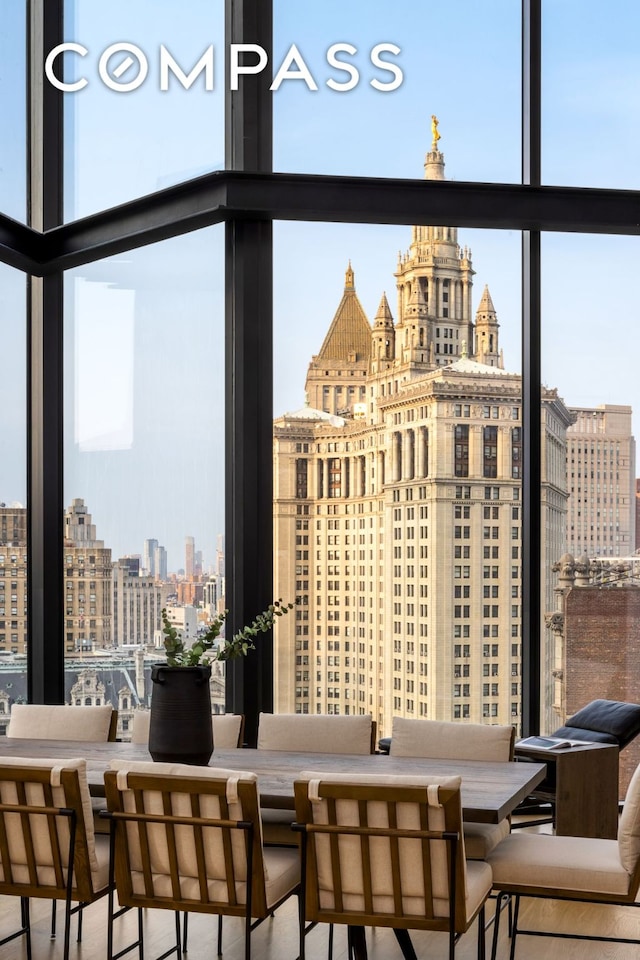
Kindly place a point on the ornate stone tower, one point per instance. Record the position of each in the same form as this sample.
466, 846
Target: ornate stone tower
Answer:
335, 379
434, 281
383, 338
487, 346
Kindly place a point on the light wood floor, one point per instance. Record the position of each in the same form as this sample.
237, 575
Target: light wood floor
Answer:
276, 939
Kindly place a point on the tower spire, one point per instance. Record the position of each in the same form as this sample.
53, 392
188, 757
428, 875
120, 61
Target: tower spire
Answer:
434, 160
487, 346
383, 337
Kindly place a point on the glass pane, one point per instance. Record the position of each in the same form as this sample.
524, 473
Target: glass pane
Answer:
398, 472
13, 491
590, 77
591, 636
123, 143
458, 62
13, 143
144, 462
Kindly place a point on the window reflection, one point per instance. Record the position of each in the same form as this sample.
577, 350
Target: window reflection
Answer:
144, 465
13, 106
122, 145
13, 492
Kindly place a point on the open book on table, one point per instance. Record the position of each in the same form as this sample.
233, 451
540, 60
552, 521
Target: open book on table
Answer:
545, 743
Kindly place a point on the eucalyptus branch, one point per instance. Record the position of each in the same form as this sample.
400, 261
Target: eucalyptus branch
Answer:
238, 646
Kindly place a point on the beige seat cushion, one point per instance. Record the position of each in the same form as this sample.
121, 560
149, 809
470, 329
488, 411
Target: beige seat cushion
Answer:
45, 722
308, 733
450, 741
564, 863
140, 729
226, 730
481, 838
629, 826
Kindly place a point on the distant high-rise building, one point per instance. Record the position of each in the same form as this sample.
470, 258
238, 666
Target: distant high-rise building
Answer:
149, 557
219, 568
13, 579
87, 565
601, 475
137, 604
160, 559
197, 565
133, 564
397, 505
189, 557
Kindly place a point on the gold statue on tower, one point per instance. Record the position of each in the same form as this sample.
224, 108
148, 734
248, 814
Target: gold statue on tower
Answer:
434, 132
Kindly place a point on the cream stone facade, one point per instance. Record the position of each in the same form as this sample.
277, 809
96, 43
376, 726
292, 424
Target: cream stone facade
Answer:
13, 580
397, 505
601, 473
87, 583
137, 604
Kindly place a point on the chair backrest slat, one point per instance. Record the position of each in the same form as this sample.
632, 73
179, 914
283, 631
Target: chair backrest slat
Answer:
174, 869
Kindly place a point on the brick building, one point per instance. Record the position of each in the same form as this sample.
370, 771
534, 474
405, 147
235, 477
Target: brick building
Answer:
598, 625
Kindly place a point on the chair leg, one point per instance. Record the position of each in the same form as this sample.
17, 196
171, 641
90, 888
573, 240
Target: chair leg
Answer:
26, 922
330, 951
482, 934
496, 923
185, 931
405, 944
52, 934
357, 943
178, 934
219, 936
514, 929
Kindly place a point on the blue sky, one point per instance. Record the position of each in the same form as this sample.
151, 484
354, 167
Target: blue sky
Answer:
460, 62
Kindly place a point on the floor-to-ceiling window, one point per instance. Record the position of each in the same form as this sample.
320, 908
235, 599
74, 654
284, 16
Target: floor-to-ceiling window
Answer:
463, 70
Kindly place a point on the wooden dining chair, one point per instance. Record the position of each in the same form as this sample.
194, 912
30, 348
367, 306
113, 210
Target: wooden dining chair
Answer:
46, 825
188, 838
85, 724
459, 741
387, 851
309, 733
571, 868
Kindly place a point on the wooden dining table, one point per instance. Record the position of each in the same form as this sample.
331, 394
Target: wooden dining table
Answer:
490, 791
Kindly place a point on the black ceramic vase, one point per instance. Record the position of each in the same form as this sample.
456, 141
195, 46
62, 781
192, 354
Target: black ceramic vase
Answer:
180, 728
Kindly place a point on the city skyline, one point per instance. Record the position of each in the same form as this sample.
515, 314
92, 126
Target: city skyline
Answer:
160, 301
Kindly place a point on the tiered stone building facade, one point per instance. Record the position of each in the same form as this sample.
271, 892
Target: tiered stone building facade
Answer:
397, 505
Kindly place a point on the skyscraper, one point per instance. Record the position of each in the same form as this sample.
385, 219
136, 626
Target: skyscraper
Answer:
87, 582
601, 473
397, 504
189, 557
149, 557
